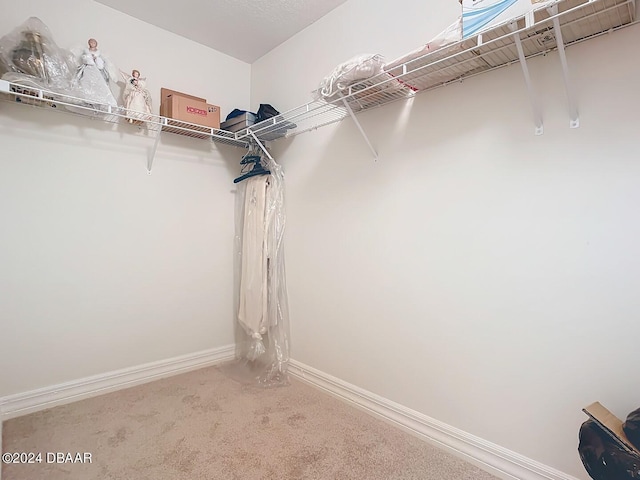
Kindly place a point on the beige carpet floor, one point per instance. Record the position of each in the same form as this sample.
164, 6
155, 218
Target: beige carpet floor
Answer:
203, 425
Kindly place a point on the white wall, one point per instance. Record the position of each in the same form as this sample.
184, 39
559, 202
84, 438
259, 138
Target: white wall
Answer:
475, 272
104, 267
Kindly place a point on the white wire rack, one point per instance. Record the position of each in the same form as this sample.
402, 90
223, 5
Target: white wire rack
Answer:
564, 23
578, 20
37, 97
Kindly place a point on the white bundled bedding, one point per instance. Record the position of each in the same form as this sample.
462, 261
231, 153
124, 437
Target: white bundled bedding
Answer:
363, 81
432, 52
360, 68
452, 34
346, 74
369, 78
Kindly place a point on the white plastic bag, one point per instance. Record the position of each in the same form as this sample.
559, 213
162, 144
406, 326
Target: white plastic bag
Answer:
353, 70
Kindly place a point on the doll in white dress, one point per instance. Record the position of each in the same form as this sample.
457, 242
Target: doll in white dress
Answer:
93, 77
137, 99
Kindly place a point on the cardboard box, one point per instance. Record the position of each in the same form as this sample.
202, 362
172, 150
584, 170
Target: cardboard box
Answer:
190, 113
165, 95
611, 424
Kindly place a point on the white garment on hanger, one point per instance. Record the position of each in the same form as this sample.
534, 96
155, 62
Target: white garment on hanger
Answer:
253, 308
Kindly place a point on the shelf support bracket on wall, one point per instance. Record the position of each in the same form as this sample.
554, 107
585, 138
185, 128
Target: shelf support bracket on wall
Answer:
537, 115
364, 135
573, 109
152, 153
259, 143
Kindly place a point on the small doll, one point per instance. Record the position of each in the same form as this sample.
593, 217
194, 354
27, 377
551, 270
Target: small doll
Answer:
93, 77
137, 99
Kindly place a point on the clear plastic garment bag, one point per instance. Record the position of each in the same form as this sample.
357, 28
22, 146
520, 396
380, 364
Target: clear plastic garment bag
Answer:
262, 313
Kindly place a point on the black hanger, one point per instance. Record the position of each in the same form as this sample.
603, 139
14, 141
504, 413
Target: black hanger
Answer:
250, 159
257, 169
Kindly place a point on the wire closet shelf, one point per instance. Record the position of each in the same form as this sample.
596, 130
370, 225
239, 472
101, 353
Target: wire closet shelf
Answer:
150, 124
579, 20
498, 47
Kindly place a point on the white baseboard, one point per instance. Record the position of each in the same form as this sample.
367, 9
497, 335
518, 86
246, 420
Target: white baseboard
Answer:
490, 457
28, 402
497, 460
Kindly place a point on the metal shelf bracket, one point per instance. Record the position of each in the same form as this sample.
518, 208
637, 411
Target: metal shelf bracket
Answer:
259, 144
574, 119
154, 148
364, 135
537, 115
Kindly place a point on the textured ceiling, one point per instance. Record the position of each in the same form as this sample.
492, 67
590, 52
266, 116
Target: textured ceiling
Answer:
244, 29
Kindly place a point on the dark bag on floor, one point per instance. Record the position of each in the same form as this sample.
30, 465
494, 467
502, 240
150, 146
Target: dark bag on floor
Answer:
603, 458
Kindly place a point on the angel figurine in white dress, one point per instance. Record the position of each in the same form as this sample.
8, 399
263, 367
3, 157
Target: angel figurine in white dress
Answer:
137, 99
93, 76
